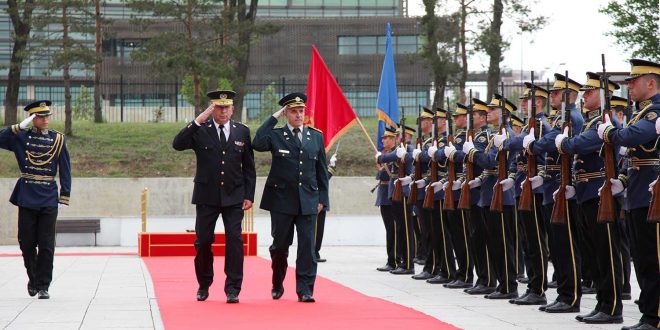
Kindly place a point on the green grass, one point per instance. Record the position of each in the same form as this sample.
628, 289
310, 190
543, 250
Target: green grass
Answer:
145, 150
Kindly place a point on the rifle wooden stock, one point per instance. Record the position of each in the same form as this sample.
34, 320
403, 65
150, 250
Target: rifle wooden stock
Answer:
654, 208
464, 201
606, 209
429, 197
527, 194
451, 177
397, 194
560, 208
497, 201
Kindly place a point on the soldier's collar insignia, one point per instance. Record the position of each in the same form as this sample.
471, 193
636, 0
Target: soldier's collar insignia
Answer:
285, 133
308, 133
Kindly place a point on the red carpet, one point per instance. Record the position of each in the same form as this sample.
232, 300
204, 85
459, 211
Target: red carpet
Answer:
77, 254
337, 306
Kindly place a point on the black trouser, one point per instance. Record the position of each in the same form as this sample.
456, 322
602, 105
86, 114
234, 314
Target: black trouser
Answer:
405, 236
390, 233
520, 242
624, 234
481, 259
536, 253
36, 237
445, 264
207, 216
567, 258
432, 256
501, 241
282, 232
547, 212
646, 239
457, 223
587, 212
318, 233
421, 230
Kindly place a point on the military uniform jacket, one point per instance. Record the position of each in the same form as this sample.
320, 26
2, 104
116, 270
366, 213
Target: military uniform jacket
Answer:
640, 138
459, 139
41, 155
441, 165
425, 164
382, 191
298, 177
224, 176
487, 159
481, 138
514, 144
391, 157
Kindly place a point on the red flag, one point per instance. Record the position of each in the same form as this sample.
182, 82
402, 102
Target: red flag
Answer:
327, 108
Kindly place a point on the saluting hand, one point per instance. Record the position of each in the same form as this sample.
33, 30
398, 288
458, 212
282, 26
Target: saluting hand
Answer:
279, 112
26, 122
201, 119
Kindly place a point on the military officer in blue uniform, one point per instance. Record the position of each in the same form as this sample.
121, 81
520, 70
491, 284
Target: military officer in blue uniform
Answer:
296, 191
42, 155
225, 181
599, 241
384, 202
563, 245
517, 125
482, 259
640, 138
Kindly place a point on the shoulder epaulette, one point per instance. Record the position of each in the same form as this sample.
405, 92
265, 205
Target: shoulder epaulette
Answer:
314, 128
238, 122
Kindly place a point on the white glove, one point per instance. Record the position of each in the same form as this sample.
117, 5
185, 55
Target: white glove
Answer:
536, 181
529, 138
62, 206
468, 145
617, 186
333, 160
406, 180
26, 122
432, 149
416, 152
624, 150
400, 151
657, 126
602, 127
652, 184
569, 193
499, 139
449, 149
420, 183
437, 186
561, 137
456, 185
279, 112
507, 184
378, 154
474, 183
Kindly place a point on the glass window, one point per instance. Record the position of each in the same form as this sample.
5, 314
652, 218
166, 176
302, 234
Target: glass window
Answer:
347, 45
278, 2
332, 3
367, 44
367, 2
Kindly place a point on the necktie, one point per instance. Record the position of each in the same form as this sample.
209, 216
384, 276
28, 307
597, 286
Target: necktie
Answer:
223, 138
295, 133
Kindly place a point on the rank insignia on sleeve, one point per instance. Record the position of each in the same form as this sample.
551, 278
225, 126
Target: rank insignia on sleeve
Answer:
481, 139
651, 116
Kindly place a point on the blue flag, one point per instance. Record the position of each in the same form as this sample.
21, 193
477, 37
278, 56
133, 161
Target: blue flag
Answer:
387, 105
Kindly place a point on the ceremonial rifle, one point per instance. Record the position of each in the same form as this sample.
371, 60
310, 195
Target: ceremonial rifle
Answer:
418, 165
497, 201
451, 167
606, 207
527, 194
429, 197
468, 167
560, 209
397, 193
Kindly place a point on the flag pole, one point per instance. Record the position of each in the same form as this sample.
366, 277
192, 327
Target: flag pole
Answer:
364, 130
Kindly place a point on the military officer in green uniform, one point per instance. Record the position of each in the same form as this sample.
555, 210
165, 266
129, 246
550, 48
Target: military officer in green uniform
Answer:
296, 191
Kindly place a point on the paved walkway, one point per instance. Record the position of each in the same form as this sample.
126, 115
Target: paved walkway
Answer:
111, 292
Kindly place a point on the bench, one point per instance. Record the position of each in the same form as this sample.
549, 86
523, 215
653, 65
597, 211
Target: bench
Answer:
78, 226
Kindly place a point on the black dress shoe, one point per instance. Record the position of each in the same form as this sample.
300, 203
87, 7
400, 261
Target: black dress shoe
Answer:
552, 285
31, 290
438, 279
422, 276
581, 317
232, 298
588, 290
321, 260
632, 327
543, 307
277, 293
43, 294
402, 271
457, 284
562, 307
602, 318
640, 326
480, 289
513, 301
385, 268
202, 294
306, 298
626, 296
501, 295
531, 299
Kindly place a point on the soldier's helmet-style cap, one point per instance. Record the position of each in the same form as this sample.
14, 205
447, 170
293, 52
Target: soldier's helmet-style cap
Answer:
39, 108
639, 67
461, 109
479, 105
427, 113
593, 82
617, 101
222, 97
293, 100
516, 121
538, 91
560, 83
495, 103
389, 132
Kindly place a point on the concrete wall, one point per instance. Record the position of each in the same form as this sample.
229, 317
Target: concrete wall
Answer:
169, 197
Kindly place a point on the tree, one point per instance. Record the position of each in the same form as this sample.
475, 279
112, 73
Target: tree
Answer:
61, 26
188, 89
464, 11
98, 32
636, 27
20, 13
440, 34
491, 41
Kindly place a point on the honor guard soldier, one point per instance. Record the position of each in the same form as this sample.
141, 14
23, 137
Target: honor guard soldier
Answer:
42, 155
384, 201
225, 181
424, 249
296, 191
599, 241
563, 246
640, 138
517, 125
482, 256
